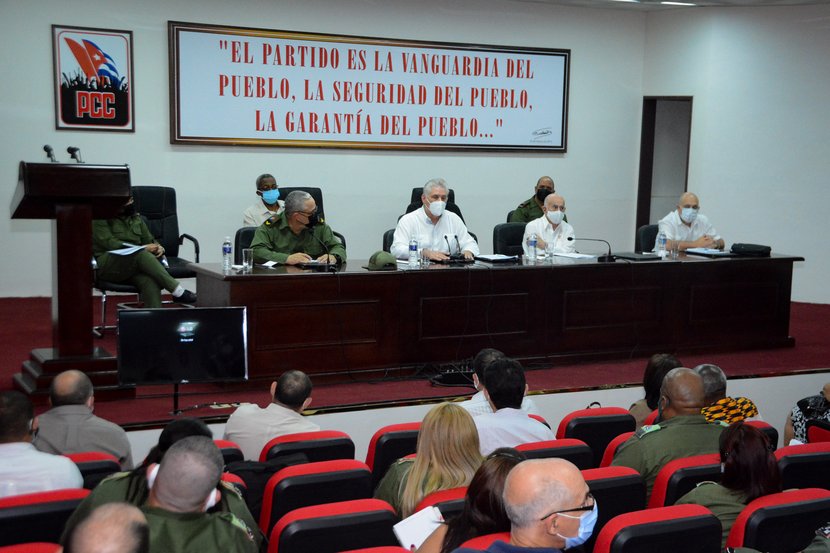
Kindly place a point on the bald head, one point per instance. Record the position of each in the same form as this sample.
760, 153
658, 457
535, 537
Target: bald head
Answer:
545, 182
537, 487
687, 198
70, 388
189, 473
111, 528
554, 201
682, 393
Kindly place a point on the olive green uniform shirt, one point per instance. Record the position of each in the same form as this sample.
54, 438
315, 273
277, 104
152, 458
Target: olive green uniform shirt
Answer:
172, 532
527, 211
110, 234
275, 241
726, 504
390, 488
651, 447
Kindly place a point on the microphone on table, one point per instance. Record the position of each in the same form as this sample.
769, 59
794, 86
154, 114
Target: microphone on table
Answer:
50, 153
329, 266
607, 258
75, 153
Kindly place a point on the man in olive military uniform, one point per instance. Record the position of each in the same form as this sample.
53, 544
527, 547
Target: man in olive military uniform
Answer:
682, 431
112, 527
183, 488
531, 208
297, 236
142, 268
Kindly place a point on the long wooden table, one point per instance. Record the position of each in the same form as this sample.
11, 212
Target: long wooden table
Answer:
355, 320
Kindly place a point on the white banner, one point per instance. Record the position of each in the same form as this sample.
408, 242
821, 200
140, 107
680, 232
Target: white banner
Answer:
258, 87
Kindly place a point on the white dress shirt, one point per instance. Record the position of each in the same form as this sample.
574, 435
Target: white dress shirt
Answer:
24, 469
478, 405
676, 229
418, 225
257, 213
508, 428
542, 228
251, 427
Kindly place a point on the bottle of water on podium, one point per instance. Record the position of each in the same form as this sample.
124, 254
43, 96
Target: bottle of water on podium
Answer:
227, 249
413, 254
661, 245
531, 248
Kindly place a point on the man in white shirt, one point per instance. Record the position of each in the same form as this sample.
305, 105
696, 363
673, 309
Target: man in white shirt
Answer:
688, 227
252, 427
267, 205
508, 425
550, 228
478, 404
24, 469
440, 233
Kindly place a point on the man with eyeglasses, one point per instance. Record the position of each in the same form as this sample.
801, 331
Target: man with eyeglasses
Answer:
550, 229
297, 235
549, 507
687, 226
267, 205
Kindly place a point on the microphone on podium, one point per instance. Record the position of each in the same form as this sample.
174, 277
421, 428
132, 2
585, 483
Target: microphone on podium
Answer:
607, 258
50, 153
75, 153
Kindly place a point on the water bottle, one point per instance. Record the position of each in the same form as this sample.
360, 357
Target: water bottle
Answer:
531, 248
413, 254
226, 255
661, 244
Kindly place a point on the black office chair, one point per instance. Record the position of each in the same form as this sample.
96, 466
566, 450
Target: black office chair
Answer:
645, 238
509, 214
507, 238
388, 237
157, 205
416, 203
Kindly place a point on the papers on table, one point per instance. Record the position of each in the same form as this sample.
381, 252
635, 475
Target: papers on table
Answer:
496, 257
574, 255
711, 252
413, 530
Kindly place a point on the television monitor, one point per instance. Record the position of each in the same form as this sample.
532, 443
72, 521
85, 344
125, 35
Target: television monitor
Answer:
182, 345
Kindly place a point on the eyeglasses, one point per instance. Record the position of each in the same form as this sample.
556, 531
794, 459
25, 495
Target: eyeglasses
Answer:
589, 498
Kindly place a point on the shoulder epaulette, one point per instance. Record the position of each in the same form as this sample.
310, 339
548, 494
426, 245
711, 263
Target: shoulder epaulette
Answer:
117, 476
646, 429
228, 487
237, 523
525, 203
271, 221
720, 422
699, 484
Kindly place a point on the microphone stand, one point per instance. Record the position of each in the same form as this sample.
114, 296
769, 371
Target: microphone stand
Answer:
607, 258
329, 266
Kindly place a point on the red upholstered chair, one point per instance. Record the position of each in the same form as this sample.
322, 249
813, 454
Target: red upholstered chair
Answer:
596, 427
617, 490
651, 418
678, 529
575, 451
36, 547
485, 541
322, 445
230, 451
37, 517
539, 418
95, 466
612, 448
768, 429
313, 484
450, 502
680, 476
237, 482
335, 527
389, 444
805, 465
818, 431
781, 522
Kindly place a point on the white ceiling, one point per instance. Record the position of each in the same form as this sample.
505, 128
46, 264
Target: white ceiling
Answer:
657, 5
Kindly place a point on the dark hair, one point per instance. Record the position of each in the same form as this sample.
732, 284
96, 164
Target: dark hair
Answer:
483, 359
505, 382
262, 177
483, 511
658, 365
16, 414
293, 388
749, 464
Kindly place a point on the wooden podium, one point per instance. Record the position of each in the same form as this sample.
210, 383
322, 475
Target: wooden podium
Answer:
72, 195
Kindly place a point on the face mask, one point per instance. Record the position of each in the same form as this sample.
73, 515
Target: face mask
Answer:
542, 193
313, 219
271, 196
586, 528
437, 208
555, 217
688, 215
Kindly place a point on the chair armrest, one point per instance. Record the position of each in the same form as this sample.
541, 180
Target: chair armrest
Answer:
195, 244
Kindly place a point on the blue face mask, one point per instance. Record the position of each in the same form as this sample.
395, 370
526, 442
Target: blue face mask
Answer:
688, 215
586, 528
271, 196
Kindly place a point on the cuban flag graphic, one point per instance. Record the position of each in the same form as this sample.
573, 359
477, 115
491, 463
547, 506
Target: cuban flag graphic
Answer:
94, 62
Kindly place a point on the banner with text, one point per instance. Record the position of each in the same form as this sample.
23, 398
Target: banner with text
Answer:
257, 87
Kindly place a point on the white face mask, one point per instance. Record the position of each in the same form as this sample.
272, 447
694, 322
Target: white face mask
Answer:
437, 208
688, 215
555, 217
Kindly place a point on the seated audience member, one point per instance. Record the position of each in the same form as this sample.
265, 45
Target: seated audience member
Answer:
297, 235
111, 528
810, 408
132, 487
267, 205
483, 505
688, 227
439, 233
531, 208
682, 431
550, 228
507, 425
478, 404
446, 457
70, 427
719, 406
182, 488
550, 508
24, 469
657, 367
252, 427
142, 268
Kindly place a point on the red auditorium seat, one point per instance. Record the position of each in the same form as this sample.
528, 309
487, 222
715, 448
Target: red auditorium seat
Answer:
450, 502
313, 484
617, 490
768, 429
805, 465
651, 418
334, 527
539, 418
675, 529
596, 427
37, 517
231, 451
680, 476
389, 444
322, 445
95, 466
781, 522
612, 448
36, 547
575, 451
483, 542
818, 431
